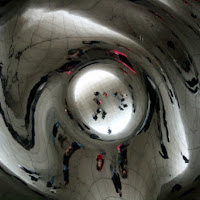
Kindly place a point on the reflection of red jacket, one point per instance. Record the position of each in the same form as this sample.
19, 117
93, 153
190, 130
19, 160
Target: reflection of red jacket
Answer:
101, 158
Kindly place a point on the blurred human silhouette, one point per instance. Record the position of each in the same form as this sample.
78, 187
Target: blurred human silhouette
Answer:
116, 180
115, 94
29, 171
104, 114
184, 158
120, 108
122, 147
109, 131
122, 153
96, 93
66, 176
105, 94
94, 136
95, 100
95, 117
33, 178
122, 99
67, 155
123, 169
100, 161
122, 159
50, 183
99, 110
66, 158
125, 105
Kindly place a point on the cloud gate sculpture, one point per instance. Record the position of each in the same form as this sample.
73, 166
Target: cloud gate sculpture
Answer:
99, 99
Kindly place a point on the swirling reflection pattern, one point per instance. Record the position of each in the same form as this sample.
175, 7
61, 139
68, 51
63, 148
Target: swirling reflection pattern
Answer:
142, 58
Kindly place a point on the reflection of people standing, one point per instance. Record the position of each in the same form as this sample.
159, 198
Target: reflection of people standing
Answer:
95, 117
100, 161
97, 93
99, 110
66, 158
115, 94
105, 94
116, 181
122, 99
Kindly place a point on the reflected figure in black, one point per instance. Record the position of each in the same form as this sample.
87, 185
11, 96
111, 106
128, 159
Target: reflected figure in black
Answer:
99, 110
123, 169
95, 117
120, 108
115, 94
66, 158
122, 159
97, 93
29, 171
104, 114
116, 180
55, 131
184, 158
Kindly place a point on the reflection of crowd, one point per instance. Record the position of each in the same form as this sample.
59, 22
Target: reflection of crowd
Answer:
67, 155
100, 159
100, 110
122, 166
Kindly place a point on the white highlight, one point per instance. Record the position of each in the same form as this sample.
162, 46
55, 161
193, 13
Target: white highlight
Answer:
96, 80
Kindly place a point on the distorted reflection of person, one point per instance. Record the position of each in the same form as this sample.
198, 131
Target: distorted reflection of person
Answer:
115, 94
67, 155
100, 161
122, 159
123, 169
66, 158
109, 131
96, 93
116, 180
104, 114
122, 99
95, 117
33, 178
29, 171
125, 105
105, 94
120, 108
55, 131
98, 110
184, 158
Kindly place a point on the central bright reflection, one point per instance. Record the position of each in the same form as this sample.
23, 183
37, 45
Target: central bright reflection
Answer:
101, 81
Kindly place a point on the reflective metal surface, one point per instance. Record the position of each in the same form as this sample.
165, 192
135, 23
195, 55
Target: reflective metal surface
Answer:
81, 78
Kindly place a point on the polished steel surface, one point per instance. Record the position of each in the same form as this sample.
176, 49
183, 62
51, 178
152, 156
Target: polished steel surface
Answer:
141, 57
